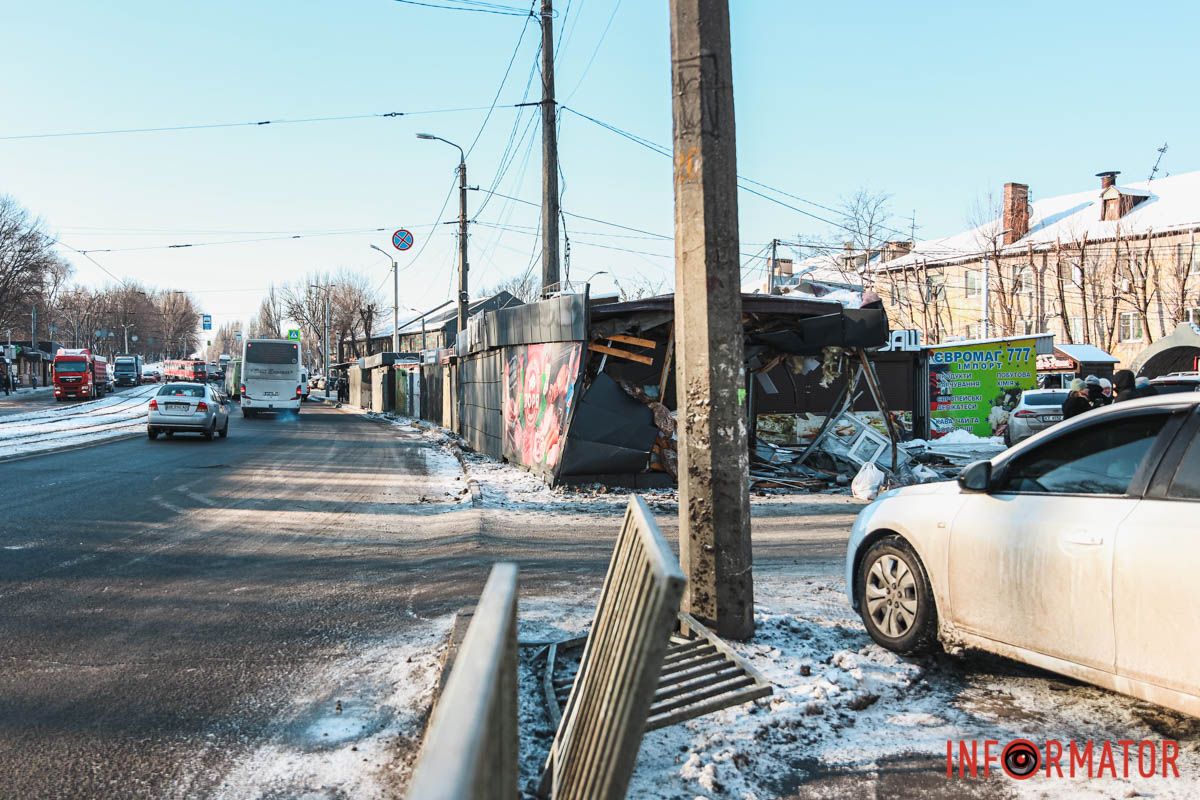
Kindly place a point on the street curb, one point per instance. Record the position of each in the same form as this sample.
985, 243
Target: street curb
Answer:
69, 448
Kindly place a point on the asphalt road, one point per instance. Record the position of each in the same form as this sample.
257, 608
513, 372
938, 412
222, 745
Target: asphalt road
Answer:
165, 603
160, 598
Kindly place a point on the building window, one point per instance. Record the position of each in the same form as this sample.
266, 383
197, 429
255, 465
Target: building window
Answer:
974, 283
1131, 327
1193, 315
1023, 281
1025, 326
935, 288
1077, 333
1187, 257
975, 330
1077, 275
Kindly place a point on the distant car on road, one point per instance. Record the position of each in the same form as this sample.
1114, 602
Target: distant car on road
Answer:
1037, 410
188, 408
1075, 551
150, 376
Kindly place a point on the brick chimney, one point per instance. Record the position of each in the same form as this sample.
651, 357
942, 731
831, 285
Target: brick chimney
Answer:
1108, 179
896, 248
1016, 211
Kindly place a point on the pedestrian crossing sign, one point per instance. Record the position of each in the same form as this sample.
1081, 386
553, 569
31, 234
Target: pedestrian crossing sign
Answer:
294, 334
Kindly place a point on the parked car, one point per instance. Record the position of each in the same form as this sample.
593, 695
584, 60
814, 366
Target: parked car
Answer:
304, 387
1037, 410
188, 408
1176, 382
1075, 551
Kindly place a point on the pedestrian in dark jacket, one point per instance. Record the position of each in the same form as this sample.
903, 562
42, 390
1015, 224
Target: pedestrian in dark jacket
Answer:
1077, 401
1091, 385
1123, 384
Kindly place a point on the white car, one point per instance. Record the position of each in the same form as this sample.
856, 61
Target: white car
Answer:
1076, 551
188, 408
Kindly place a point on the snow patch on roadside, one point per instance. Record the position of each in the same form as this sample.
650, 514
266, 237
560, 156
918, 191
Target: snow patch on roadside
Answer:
355, 731
75, 424
844, 708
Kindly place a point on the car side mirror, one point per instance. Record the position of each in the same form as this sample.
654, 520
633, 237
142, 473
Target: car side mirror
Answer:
977, 477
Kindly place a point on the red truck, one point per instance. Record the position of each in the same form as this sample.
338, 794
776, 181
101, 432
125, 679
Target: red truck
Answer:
79, 374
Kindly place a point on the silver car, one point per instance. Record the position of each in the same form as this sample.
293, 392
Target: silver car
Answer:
1038, 410
188, 407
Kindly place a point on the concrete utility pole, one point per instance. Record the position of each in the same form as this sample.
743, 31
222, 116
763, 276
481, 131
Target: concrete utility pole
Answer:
774, 266
550, 258
464, 295
395, 300
714, 501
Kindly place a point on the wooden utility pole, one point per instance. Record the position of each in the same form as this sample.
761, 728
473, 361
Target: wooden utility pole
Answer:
550, 273
714, 502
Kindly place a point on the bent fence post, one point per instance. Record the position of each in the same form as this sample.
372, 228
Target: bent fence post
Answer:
470, 749
597, 741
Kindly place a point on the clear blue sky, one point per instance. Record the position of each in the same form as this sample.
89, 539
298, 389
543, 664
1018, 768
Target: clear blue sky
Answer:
933, 106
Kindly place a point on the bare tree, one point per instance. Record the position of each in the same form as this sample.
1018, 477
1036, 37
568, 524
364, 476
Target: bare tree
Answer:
28, 264
268, 322
525, 286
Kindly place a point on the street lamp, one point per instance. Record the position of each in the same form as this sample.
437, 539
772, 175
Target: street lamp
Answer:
395, 301
325, 339
463, 296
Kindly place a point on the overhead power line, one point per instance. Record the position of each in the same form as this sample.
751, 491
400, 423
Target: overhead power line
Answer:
469, 5
251, 124
664, 151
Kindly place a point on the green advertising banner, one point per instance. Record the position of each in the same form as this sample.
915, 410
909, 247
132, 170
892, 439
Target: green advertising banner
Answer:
974, 386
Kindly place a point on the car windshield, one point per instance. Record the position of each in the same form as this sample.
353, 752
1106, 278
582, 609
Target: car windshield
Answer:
181, 391
125, 367
70, 366
1044, 398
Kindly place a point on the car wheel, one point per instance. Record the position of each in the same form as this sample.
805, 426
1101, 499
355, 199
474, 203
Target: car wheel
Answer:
225, 430
1008, 442
894, 598
210, 431
169, 434
153, 434
246, 414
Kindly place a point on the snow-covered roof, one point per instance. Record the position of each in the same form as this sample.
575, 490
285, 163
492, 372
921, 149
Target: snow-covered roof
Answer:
1086, 352
1171, 203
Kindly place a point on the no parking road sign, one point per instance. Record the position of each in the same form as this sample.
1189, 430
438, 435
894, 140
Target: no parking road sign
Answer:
402, 239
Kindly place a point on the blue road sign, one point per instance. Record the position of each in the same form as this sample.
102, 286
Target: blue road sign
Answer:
402, 239
206, 322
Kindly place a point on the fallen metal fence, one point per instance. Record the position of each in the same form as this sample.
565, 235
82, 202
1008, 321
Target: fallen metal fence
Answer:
470, 749
597, 741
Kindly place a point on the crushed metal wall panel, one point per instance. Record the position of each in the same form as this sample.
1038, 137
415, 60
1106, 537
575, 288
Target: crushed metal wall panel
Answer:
610, 433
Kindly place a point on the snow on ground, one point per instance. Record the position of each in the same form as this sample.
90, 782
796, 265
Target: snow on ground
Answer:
353, 729
74, 423
844, 709
503, 485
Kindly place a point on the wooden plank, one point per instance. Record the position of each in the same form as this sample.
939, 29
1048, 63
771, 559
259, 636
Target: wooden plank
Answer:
633, 340
668, 357
615, 353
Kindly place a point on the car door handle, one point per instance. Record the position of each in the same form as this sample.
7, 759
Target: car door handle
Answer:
1084, 538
